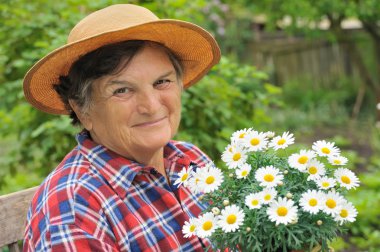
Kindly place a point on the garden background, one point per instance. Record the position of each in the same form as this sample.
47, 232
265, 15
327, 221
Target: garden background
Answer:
309, 67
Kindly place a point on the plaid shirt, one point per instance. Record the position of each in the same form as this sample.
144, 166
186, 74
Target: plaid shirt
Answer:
96, 200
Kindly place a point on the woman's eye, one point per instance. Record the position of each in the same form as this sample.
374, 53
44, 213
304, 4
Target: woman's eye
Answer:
162, 82
121, 91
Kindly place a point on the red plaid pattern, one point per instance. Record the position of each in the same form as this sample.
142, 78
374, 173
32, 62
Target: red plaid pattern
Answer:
96, 200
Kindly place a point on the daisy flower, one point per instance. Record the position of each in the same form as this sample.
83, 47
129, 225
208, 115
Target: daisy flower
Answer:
234, 156
206, 225
282, 211
346, 178
332, 202
325, 183
184, 176
281, 142
325, 149
270, 134
231, 218
189, 228
253, 200
193, 182
243, 171
268, 195
269, 176
239, 135
299, 160
311, 201
315, 169
347, 213
337, 160
210, 178
255, 141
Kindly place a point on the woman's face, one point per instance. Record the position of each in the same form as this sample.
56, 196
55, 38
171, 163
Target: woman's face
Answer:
139, 109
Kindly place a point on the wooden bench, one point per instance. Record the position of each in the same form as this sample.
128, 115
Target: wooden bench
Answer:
13, 209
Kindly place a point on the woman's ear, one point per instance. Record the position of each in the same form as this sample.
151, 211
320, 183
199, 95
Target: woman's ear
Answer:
84, 118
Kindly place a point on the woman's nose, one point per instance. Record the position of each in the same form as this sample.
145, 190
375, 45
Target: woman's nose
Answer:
148, 102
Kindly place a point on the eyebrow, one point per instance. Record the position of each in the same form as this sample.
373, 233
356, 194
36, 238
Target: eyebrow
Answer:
116, 82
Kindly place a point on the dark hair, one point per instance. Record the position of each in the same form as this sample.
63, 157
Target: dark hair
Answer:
106, 60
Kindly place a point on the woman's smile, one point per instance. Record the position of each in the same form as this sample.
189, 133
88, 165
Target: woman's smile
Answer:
151, 123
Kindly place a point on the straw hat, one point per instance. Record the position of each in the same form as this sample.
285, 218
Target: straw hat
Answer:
195, 47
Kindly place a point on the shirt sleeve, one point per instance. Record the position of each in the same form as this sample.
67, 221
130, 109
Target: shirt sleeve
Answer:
69, 237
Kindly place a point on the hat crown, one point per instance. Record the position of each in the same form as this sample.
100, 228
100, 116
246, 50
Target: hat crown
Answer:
112, 18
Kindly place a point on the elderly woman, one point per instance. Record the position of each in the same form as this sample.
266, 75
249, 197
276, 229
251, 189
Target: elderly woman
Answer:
120, 77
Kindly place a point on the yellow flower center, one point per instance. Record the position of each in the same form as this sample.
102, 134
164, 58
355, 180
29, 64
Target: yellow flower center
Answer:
313, 202
345, 179
254, 202
255, 141
325, 150
207, 225
244, 173
184, 177
282, 211
242, 135
330, 203
210, 180
236, 156
192, 228
281, 141
313, 170
269, 178
231, 219
325, 184
267, 197
343, 213
337, 161
303, 160
230, 149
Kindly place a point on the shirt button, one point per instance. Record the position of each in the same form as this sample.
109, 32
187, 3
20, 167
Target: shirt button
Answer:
153, 171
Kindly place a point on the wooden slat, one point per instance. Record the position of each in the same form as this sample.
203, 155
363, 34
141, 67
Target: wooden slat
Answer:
13, 209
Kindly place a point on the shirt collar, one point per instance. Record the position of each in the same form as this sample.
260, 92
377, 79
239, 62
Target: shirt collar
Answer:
117, 170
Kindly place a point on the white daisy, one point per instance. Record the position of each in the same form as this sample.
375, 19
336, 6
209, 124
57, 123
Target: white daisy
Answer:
189, 228
315, 169
325, 149
311, 201
268, 195
325, 182
270, 134
255, 141
332, 202
206, 225
193, 182
347, 213
299, 160
282, 211
281, 142
184, 176
269, 176
234, 156
253, 200
346, 178
238, 136
231, 218
338, 160
243, 171
210, 178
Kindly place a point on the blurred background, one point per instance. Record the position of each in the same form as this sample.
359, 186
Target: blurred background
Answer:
309, 67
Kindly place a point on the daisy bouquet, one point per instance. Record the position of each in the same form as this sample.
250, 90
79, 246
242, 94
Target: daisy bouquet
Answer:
269, 200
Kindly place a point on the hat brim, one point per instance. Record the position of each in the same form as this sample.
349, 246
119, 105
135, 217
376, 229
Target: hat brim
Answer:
195, 47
